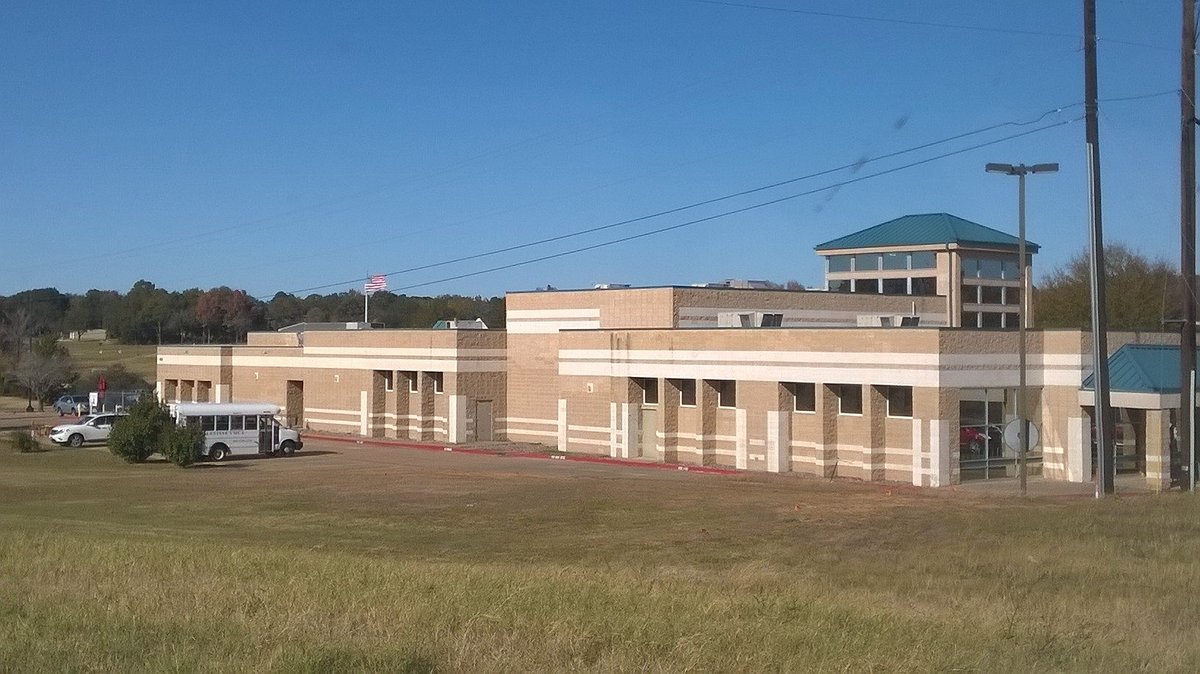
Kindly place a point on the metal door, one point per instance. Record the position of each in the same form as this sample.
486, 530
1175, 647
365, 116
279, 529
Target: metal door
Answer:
483, 421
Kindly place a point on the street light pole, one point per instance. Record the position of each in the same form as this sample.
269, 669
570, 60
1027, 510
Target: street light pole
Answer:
1020, 170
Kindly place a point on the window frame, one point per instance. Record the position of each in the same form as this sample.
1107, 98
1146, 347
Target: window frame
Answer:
841, 395
888, 393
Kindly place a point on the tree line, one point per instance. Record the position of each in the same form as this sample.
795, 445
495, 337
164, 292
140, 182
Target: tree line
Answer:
147, 314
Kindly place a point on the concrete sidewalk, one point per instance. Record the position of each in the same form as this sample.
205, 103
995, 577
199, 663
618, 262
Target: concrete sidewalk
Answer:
519, 451
1039, 486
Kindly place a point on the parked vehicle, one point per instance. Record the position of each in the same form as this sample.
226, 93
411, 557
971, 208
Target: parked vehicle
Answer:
73, 403
239, 429
94, 428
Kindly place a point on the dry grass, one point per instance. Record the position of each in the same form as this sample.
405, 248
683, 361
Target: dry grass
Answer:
140, 359
396, 560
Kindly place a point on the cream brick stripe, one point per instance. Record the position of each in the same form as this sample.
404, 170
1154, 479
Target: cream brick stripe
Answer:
448, 364
402, 352
524, 420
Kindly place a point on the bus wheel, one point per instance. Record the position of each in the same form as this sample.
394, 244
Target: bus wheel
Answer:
288, 448
218, 453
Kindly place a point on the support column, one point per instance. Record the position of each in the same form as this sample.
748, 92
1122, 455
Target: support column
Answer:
875, 453
708, 399
364, 413
1079, 449
456, 419
827, 443
668, 400
741, 440
1158, 449
562, 424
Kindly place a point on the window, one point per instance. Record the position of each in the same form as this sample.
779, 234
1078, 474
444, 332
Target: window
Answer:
970, 267
839, 286
924, 285
772, 320
1009, 269
388, 381
649, 388
250, 423
899, 401
849, 398
866, 285
436, 378
235, 422
970, 319
1012, 320
895, 286
222, 423
1012, 295
925, 259
838, 263
991, 268
687, 392
991, 294
866, 262
970, 294
895, 260
726, 392
804, 395
990, 319
207, 423
411, 377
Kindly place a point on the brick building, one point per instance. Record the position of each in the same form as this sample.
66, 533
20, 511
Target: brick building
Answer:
872, 378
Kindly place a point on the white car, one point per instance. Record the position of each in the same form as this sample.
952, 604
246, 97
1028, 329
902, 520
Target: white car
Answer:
94, 428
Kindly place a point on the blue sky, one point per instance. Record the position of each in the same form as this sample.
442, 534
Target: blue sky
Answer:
292, 145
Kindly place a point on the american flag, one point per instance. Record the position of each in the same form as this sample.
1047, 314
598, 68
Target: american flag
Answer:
376, 283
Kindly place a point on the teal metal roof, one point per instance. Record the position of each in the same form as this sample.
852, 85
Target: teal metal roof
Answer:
926, 229
1142, 368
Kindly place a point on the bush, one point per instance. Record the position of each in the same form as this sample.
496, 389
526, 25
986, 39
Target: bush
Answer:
180, 444
136, 436
23, 442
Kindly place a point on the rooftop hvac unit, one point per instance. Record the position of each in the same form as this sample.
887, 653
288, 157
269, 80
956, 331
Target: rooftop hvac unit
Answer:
749, 319
891, 321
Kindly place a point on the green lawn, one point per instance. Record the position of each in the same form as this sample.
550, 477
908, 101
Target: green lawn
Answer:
376, 559
140, 359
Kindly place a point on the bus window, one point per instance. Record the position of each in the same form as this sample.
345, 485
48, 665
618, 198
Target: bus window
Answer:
235, 422
192, 422
266, 421
251, 423
207, 423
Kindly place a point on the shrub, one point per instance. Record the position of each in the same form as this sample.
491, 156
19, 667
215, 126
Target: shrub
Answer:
180, 444
23, 442
136, 436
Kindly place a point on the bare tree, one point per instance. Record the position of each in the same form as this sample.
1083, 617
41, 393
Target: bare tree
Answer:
42, 369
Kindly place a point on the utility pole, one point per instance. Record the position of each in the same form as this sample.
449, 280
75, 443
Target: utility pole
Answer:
1105, 472
1185, 443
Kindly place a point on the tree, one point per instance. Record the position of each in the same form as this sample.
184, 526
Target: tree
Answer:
149, 428
43, 369
135, 436
1141, 293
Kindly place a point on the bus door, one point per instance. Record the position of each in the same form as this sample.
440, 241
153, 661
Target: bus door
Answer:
265, 441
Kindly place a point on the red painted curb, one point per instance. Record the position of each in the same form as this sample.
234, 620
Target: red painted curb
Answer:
607, 460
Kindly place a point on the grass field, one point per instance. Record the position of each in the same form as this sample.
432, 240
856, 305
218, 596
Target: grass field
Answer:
137, 358
384, 559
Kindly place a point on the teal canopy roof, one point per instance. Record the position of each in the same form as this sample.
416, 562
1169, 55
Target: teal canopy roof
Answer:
1142, 368
926, 229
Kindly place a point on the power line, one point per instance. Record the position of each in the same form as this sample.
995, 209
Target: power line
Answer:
591, 230
914, 22
736, 211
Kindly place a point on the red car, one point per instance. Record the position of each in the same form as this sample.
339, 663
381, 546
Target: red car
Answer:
971, 438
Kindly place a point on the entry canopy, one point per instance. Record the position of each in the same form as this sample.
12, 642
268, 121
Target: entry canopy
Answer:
1142, 368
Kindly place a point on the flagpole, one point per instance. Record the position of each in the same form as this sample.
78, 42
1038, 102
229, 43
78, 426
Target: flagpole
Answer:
366, 304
